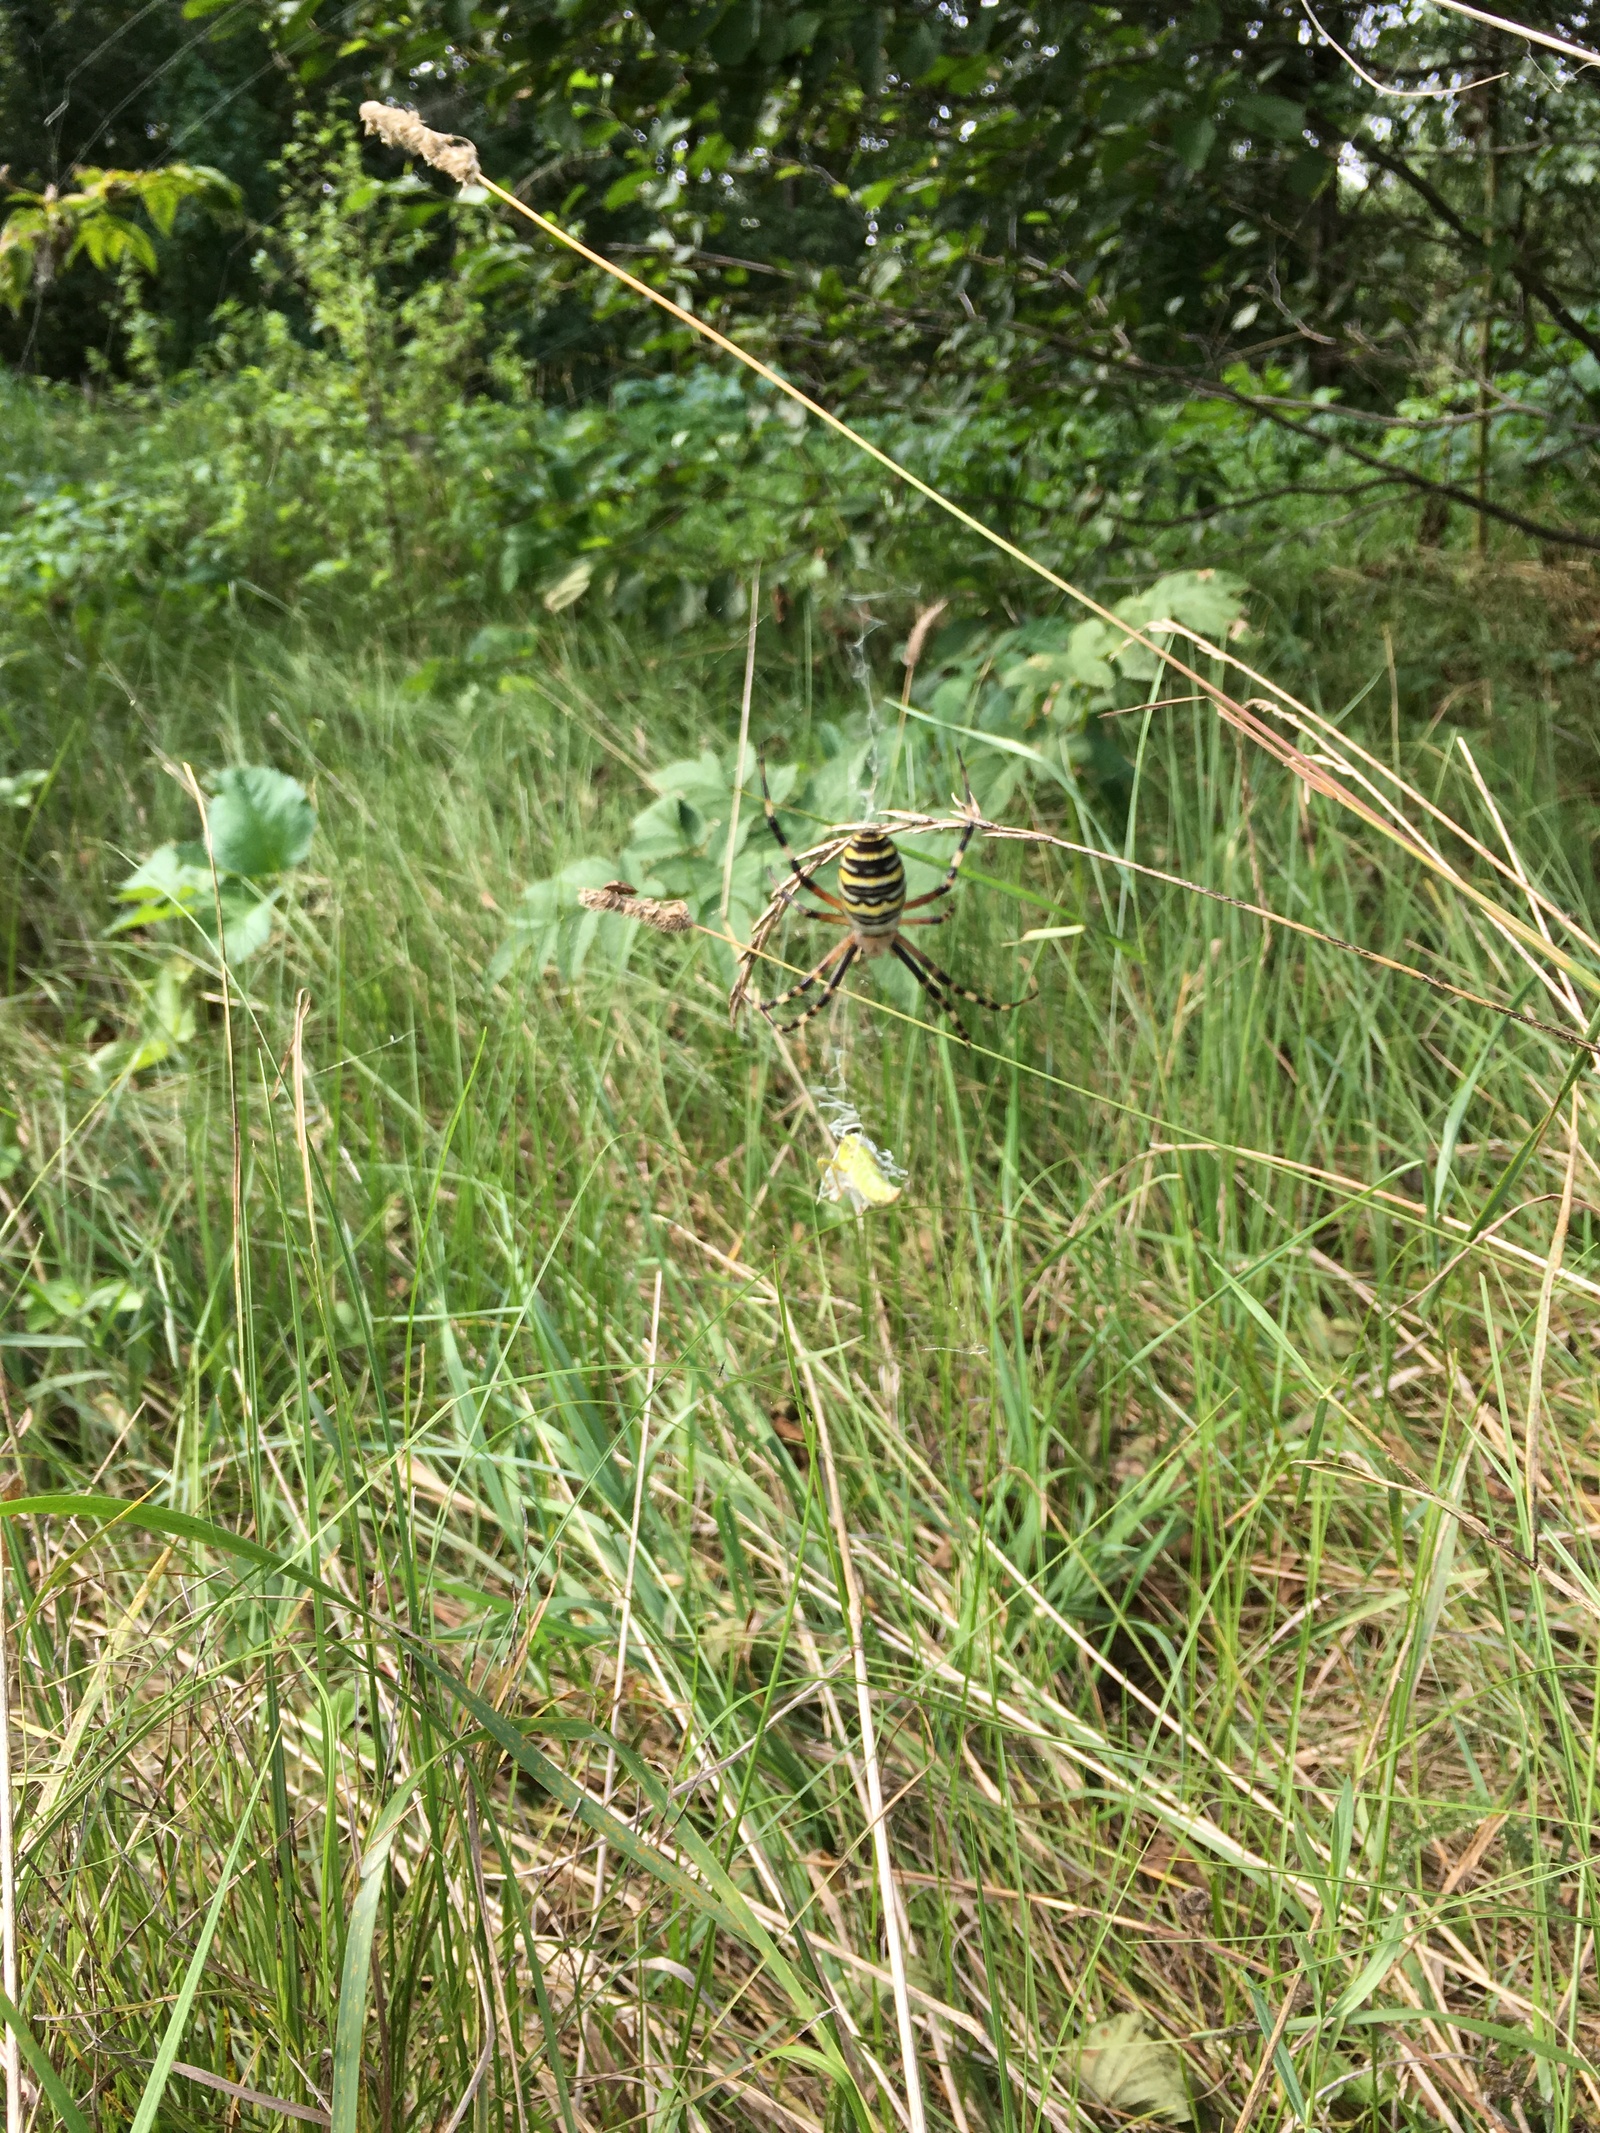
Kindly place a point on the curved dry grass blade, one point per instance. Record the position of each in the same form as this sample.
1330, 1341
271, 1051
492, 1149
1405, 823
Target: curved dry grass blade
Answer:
888, 1894
1541, 1333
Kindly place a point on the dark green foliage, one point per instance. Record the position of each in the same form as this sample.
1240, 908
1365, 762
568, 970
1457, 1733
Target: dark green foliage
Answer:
1027, 212
113, 84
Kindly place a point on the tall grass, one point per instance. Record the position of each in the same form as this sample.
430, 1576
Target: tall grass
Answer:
1230, 1663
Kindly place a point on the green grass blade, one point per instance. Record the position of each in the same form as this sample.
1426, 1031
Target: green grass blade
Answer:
43, 2072
351, 2027
150, 2102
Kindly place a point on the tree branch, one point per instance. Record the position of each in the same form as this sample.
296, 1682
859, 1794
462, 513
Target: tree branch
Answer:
1213, 389
1526, 277
1564, 536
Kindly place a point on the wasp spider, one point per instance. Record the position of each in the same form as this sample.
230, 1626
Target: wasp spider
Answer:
872, 903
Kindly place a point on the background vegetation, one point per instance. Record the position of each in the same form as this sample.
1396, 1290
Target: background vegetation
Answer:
484, 1528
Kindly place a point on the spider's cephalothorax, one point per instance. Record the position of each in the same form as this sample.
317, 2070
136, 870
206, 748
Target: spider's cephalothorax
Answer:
872, 902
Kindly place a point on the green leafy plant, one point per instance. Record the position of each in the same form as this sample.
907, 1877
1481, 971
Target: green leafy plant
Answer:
261, 824
1045, 683
163, 1019
20, 789
63, 1303
1006, 705
678, 847
99, 220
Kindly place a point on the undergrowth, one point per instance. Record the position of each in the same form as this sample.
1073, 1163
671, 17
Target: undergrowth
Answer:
1231, 1660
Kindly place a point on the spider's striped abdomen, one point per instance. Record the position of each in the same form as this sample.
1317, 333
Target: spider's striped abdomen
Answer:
872, 885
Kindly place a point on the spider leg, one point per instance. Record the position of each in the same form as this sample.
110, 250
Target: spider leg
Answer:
805, 984
846, 952
962, 992
928, 976
939, 918
803, 875
949, 881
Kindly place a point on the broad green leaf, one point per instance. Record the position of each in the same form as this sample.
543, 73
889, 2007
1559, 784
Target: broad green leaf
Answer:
1205, 601
1126, 2064
1193, 139
550, 929
174, 881
1275, 117
247, 921
1390, 1946
261, 822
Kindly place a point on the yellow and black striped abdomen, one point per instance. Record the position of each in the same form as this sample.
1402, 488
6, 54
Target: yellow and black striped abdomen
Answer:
872, 885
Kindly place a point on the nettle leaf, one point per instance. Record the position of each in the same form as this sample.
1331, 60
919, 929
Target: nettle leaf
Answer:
1209, 601
261, 822
165, 1024
1126, 2064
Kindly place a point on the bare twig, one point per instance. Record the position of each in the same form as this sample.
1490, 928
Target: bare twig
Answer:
1564, 45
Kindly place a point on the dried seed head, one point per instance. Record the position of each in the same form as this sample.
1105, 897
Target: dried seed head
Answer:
457, 158
618, 896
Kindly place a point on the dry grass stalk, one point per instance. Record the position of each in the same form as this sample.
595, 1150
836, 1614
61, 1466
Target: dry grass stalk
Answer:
1541, 1336
888, 1893
744, 742
916, 643
1333, 766
609, 1785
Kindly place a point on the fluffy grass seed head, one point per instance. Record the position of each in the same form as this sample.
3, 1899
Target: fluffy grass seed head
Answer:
448, 152
624, 899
